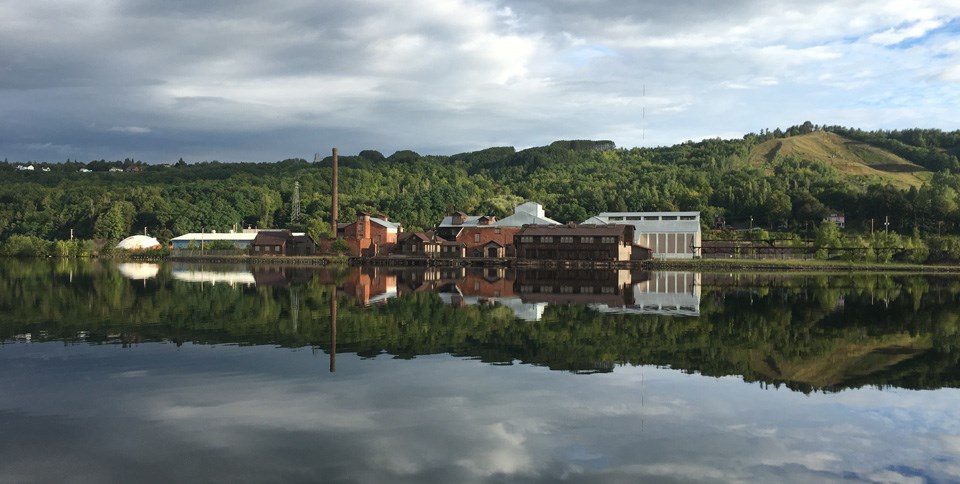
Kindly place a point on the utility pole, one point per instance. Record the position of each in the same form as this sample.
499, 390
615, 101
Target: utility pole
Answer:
871, 226
886, 225
295, 203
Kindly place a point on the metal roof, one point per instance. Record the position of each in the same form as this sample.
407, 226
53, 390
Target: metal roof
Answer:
248, 236
385, 223
652, 222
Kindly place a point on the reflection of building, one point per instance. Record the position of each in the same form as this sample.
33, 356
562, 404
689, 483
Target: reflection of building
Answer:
575, 286
488, 286
666, 293
189, 274
138, 270
373, 285
282, 276
669, 235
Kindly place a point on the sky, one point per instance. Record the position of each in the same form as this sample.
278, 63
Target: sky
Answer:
256, 80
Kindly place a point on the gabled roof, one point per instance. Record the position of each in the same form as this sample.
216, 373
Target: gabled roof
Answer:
271, 237
530, 213
384, 223
422, 236
468, 221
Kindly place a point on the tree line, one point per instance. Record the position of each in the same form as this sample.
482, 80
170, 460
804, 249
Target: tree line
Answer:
572, 179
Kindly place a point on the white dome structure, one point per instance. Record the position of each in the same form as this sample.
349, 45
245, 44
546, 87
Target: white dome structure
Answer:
138, 242
138, 271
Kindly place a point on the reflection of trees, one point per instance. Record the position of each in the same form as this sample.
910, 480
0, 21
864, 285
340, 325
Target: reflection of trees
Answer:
806, 332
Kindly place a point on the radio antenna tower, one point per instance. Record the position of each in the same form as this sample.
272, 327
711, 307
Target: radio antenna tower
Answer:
295, 210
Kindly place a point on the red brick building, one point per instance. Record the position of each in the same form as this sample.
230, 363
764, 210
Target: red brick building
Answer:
483, 236
369, 236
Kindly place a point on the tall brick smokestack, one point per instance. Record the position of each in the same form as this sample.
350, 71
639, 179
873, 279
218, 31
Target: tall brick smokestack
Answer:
333, 207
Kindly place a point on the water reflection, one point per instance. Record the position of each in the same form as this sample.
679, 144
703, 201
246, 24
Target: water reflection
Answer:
526, 292
805, 332
164, 380
137, 271
223, 275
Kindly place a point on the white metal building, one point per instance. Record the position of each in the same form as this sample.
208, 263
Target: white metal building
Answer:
238, 239
669, 235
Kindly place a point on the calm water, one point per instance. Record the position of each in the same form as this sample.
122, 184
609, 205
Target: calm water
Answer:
183, 373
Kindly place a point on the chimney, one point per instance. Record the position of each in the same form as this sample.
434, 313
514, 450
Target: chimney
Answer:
333, 203
365, 221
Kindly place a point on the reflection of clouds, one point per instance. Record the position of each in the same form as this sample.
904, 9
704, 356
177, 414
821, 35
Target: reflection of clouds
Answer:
269, 414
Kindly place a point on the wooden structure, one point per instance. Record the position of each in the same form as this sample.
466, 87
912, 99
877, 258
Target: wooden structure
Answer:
417, 244
574, 242
281, 243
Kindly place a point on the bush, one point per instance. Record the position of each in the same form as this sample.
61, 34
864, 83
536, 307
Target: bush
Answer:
26, 246
340, 247
72, 248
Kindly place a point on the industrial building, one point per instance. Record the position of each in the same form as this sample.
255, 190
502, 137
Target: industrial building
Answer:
669, 235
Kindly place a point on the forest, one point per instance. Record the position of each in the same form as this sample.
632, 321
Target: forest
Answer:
786, 181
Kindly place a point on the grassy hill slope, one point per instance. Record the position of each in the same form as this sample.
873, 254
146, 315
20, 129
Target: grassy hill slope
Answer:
857, 160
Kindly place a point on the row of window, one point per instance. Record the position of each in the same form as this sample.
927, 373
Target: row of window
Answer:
266, 248
476, 236
567, 239
652, 217
569, 290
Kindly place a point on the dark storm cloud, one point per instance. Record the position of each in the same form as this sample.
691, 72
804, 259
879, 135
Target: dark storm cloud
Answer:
154, 79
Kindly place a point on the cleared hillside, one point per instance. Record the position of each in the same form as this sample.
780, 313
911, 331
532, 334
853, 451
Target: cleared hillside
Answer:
857, 160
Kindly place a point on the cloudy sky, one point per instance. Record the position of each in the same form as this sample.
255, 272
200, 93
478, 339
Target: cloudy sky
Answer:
256, 80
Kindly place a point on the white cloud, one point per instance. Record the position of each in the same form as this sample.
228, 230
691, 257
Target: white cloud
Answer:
897, 35
130, 129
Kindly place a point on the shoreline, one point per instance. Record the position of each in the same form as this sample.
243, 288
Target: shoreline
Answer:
698, 265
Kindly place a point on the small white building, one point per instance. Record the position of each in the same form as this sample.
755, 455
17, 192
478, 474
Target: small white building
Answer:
240, 240
669, 235
25, 167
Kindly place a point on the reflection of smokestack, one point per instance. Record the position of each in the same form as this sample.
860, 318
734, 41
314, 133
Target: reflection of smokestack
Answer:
333, 207
333, 330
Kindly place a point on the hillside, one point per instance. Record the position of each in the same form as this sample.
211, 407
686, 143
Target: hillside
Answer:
788, 180
858, 161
